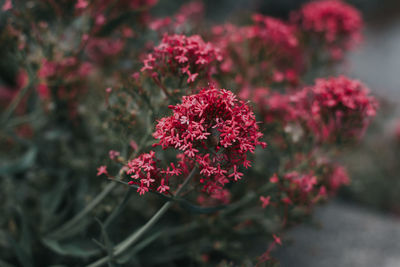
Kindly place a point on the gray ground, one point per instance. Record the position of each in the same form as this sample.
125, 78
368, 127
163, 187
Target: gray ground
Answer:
348, 236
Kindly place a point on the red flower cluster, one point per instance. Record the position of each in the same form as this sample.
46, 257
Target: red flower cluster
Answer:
100, 49
145, 170
274, 106
338, 23
63, 79
268, 48
211, 128
340, 108
303, 182
182, 54
299, 188
273, 31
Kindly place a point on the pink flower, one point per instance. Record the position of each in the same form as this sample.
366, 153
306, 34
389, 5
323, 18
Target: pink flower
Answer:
267, 50
338, 23
81, 4
277, 239
273, 30
265, 201
212, 128
113, 154
133, 145
43, 91
178, 54
338, 178
99, 49
275, 107
102, 170
163, 188
7, 5
146, 174
274, 179
192, 77
341, 108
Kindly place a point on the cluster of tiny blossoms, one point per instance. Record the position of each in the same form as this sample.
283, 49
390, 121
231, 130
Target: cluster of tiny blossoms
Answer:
180, 54
337, 178
333, 109
63, 79
144, 169
338, 23
305, 188
274, 106
212, 129
268, 49
341, 108
273, 30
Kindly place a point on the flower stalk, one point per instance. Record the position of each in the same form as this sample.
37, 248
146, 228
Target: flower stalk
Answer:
124, 245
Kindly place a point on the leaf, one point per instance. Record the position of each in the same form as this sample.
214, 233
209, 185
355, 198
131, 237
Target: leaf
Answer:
50, 203
25, 241
80, 248
21, 164
21, 255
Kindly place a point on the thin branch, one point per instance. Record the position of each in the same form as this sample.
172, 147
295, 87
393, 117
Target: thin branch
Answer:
121, 247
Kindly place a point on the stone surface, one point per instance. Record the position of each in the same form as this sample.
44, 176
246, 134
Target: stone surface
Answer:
348, 235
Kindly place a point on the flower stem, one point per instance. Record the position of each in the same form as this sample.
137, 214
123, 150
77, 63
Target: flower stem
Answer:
121, 247
97, 200
85, 211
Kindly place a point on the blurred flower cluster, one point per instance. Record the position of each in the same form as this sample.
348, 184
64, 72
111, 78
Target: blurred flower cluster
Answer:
184, 109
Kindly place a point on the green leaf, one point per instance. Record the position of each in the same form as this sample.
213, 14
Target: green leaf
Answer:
21, 164
21, 255
79, 248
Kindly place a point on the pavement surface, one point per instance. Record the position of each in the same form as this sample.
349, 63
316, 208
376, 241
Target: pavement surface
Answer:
345, 235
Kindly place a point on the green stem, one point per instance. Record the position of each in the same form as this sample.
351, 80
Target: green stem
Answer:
85, 211
121, 247
82, 214
15, 102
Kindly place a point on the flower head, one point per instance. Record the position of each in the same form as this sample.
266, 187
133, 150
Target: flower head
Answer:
265, 201
339, 108
266, 49
183, 55
214, 129
338, 23
102, 170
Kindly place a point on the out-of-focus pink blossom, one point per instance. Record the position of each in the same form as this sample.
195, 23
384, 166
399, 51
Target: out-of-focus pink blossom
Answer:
338, 23
180, 54
7, 5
